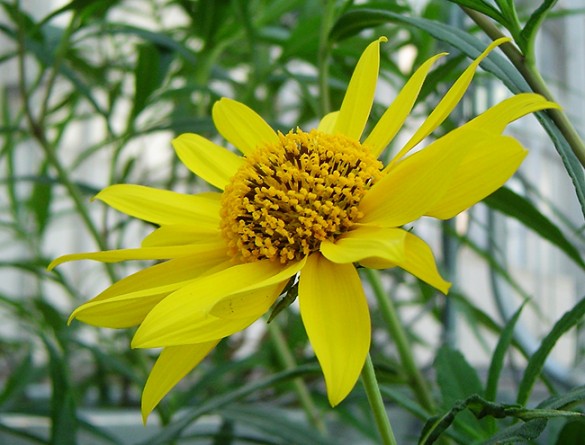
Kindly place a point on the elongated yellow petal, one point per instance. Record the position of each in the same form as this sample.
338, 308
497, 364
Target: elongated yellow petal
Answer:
327, 123
498, 117
485, 168
418, 260
449, 101
335, 313
247, 304
209, 161
184, 316
415, 184
172, 365
181, 234
359, 96
394, 117
366, 242
242, 126
127, 301
162, 206
141, 253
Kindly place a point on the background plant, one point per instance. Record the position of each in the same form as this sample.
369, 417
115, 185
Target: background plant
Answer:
93, 93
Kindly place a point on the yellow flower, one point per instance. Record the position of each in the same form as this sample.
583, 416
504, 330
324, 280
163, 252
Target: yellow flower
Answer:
308, 203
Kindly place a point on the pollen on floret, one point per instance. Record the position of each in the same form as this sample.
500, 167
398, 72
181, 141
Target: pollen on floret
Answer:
289, 197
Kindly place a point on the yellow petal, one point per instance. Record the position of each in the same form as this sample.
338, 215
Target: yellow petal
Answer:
487, 165
181, 234
172, 365
126, 302
184, 316
366, 242
413, 186
394, 117
498, 117
359, 97
418, 260
141, 253
250, 303
335, 313
162, 206
209, 161
449, 101
242, 126
327, 123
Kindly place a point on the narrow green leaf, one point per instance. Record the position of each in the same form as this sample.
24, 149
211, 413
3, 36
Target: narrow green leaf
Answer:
497, 362
149, 72
275, 422
173, 431
484, 8
510, 203
40, 199
565, 400
63, 415
536, 362
528, 34
570, 161
10, 433
519, 433
16, 382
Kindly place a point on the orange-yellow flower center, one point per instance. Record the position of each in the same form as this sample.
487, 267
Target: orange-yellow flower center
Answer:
290, 196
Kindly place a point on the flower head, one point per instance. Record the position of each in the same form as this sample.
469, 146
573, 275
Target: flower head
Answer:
307, 203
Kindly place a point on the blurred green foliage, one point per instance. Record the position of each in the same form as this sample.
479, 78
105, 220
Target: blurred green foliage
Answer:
89, 87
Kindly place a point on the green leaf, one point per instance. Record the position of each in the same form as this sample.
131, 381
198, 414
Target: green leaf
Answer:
572, 433
510, 203
63, 415
174, 430
533, 428
565, 400
519, 433
535, 420
40, 199
277, 423
536, 362
528, 34
497, 362
151, 67
17, 382
484, 8
457, 379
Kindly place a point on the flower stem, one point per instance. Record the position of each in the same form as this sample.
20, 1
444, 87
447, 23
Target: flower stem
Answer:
398, 335
376, 403
525, 65
288, 362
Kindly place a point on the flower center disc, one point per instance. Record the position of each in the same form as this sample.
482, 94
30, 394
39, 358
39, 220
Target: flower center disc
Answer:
290, 196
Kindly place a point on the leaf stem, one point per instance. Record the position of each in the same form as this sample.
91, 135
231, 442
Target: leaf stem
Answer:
288, 361
398, 335
376, 403
527, 69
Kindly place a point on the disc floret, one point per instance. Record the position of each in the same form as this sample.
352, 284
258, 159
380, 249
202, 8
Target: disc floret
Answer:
289, 197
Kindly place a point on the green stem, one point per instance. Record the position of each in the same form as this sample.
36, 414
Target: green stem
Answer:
323, 56
288, 361
376, 403
527, 69
398, 335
